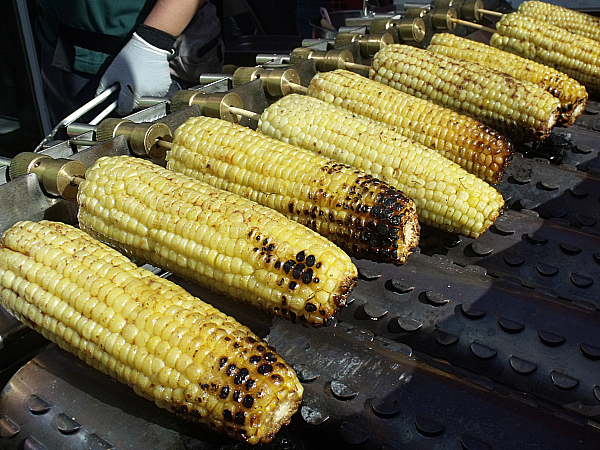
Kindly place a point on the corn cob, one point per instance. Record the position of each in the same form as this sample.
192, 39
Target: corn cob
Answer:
575, 55
472, 145
364, 216
145, 331
225, 242
518, 109
446, 195
572, 95
573, 21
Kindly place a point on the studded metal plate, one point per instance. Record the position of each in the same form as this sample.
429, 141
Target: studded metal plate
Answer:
543, 254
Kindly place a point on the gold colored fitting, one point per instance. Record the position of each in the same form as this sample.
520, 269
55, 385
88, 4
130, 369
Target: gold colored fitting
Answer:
142, 137
211, 105
471, 10
444, 19
412, 30
324, 60
369, 44
276, 82
58, 177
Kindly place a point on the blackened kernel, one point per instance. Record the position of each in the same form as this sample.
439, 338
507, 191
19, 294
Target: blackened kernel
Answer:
255, 359
250, 384
283, 300
265, 369
322, 312
395, 220
255, 249
226, 338
364, 236
196, 413
316, 280
371, 225
230, 369
241, 376
250, 340
240, 417
277, 378
248, 401
293, 285
184, 409
376, 211
300, 256
383, 228
319, 264
310, 307
222, 362
310, 260
293, 316
227, 415
266, 241
270, 357
280, 281
236, 396
388, 202
260, 348
387, 213
236, 345
307, 276
289, 265
277, 265
224, 392
297, 272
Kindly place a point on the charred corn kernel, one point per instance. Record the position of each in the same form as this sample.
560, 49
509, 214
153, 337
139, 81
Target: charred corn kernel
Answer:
240, 386
575, 55
571, 94
523, 110
223, 241
573, 21
472, 145
363, 215
446, 195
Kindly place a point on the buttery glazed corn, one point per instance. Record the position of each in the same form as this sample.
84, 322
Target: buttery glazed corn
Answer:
472, 145
572, 95
363, 215
573, 21
224, 242
575, 55
519, 109
145, 331
447, 196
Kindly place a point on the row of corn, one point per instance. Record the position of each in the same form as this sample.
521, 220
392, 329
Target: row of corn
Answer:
373, 160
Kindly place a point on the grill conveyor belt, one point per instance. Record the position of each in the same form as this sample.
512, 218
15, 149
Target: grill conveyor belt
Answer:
487, 343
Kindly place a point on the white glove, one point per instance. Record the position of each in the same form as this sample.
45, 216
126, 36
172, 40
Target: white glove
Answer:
141, 70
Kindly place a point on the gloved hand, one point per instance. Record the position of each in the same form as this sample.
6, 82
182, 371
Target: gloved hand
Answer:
141, 69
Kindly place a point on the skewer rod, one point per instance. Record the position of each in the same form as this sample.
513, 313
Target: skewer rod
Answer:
491, 13
244, 113
354, 66
474, 25
298, 87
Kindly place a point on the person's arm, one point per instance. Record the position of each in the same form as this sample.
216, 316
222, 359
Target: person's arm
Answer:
172, 16
142, 67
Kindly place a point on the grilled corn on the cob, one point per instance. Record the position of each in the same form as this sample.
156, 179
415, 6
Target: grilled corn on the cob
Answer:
221, 240
472, 145
575, 55
573, 21
572, 95
363, 215
446, 195
145, 331
515, 108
